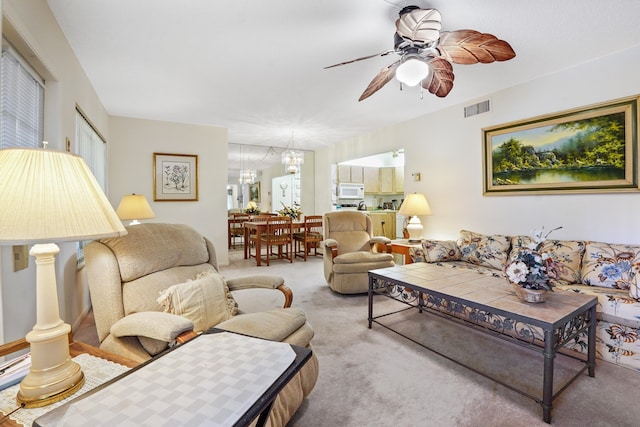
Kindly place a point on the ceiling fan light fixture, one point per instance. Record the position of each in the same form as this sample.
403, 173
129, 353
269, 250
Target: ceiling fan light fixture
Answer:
412, 71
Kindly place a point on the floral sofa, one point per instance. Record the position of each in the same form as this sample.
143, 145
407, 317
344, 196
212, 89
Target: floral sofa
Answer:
611, 272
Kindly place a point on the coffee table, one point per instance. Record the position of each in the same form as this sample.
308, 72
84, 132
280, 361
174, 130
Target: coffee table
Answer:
430, 287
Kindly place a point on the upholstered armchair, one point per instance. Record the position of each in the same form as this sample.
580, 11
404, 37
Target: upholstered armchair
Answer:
162, 280
350, 251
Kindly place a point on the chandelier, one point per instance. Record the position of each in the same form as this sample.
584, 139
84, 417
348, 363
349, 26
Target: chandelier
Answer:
248, 175
292, 159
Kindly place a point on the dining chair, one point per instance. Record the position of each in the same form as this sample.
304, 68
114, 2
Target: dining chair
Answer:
235, 228
309, 237
278, 233
253, 234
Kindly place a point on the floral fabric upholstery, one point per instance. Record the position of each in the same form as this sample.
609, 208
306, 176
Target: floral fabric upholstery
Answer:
618, 330
488, 251
612, 266
610, 272
440, 250
566, 255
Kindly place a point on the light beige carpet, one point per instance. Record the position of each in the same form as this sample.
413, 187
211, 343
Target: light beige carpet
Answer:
373, 377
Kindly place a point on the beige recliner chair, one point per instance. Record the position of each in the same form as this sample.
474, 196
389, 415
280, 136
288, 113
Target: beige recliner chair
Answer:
350, 251
139, 312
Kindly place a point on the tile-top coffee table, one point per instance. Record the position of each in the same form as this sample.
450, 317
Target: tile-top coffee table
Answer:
562, 318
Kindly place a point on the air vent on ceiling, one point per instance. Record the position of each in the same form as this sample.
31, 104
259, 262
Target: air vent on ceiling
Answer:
479, 108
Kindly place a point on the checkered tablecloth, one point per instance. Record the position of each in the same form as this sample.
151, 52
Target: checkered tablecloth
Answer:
96, 371
211, 381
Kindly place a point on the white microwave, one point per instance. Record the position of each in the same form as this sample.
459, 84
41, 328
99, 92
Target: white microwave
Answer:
350, 191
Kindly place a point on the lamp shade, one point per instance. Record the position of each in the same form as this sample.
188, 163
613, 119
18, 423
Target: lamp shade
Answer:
415, 204
134, 206
51, 196
45, 197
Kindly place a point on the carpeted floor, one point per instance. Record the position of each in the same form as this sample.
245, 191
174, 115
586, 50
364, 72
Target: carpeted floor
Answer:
374, 377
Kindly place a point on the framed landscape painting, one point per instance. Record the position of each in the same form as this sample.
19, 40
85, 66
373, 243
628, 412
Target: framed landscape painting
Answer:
175, 177
254, 192
586, 150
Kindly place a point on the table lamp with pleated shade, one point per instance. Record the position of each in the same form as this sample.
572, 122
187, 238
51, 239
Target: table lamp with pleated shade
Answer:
414, 205
46, 197
134, 207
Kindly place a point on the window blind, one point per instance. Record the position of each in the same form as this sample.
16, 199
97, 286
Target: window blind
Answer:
92, 148
21, 103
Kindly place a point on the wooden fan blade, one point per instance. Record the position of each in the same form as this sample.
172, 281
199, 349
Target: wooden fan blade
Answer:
470, 47
386, 52
440, 79
383, 77
420, 25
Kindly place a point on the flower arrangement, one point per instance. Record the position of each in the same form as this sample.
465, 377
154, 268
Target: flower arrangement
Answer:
531, 269
294, 212
252, 209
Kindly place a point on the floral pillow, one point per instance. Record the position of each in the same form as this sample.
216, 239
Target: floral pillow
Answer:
489, 251
612, 266
440, 250
566, 255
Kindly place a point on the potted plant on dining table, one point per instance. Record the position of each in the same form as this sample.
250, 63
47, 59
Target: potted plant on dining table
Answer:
292, 211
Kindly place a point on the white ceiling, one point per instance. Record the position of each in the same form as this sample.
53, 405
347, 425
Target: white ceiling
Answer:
256, 66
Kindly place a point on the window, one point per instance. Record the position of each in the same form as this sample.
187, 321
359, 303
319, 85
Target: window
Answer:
21, 102
92, 148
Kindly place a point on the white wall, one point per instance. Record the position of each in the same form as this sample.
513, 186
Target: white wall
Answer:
31, 28
447, 150
130, 152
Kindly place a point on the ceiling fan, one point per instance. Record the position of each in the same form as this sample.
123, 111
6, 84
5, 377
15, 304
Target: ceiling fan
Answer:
426, 53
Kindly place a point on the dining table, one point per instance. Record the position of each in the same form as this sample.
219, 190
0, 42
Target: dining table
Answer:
258, 227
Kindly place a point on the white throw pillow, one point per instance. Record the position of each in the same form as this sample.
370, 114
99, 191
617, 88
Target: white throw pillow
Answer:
205, 301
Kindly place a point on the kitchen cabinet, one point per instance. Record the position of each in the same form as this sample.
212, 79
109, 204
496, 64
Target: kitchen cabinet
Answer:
386, 180
398, 179
392, 180
371, 180
350, 174
384, 223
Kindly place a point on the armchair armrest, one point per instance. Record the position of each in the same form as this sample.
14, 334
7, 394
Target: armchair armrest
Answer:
332, 245
264, 281
381, 240
152, 324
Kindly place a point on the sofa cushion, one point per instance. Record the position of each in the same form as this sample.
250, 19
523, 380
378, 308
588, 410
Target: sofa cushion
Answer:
205, 301
566, 255
440, 250
489, 251
614, 305
611, 265
148, 248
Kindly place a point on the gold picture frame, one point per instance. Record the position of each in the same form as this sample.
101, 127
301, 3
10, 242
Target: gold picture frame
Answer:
254, 192
593, 149
175, 177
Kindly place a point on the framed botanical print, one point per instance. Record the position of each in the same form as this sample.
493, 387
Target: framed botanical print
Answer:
175, 177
